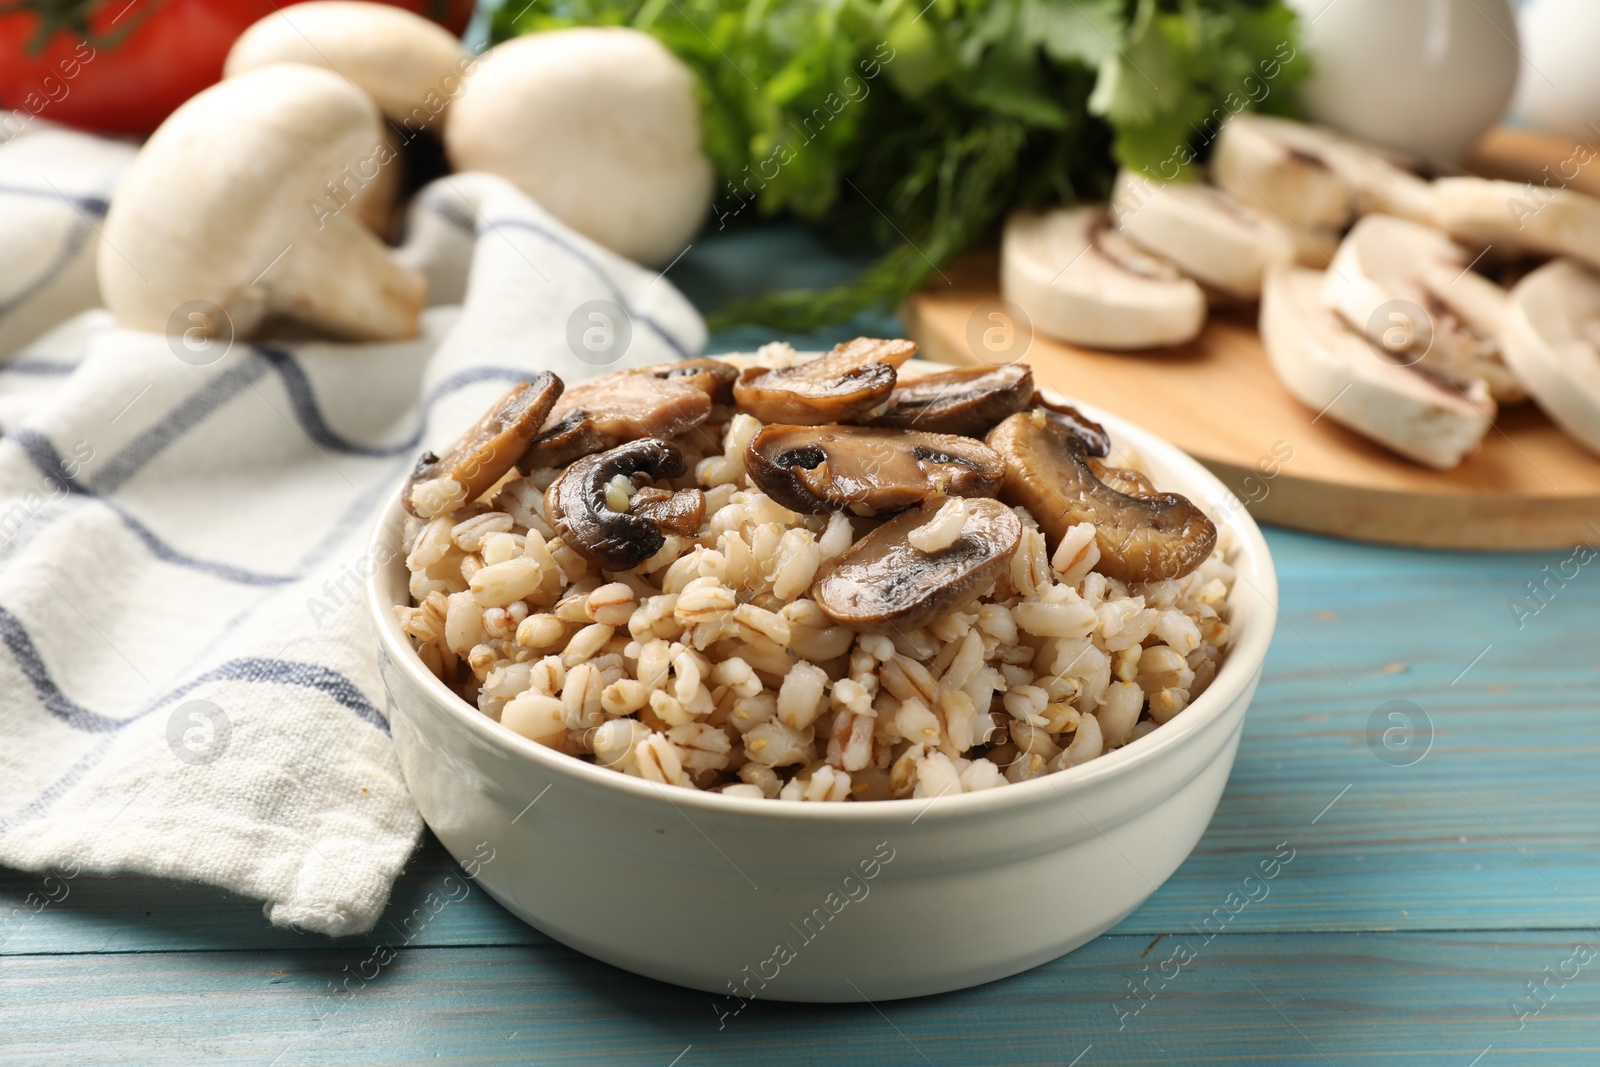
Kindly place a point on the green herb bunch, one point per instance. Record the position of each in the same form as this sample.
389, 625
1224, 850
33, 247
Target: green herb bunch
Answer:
916, 124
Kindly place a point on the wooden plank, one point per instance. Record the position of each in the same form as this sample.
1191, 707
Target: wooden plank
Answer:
1515, 741
1390, 999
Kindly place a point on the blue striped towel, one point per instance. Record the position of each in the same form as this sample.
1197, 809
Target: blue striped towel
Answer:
187, 687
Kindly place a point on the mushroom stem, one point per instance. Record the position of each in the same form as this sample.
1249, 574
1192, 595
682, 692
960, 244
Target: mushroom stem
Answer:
346, 285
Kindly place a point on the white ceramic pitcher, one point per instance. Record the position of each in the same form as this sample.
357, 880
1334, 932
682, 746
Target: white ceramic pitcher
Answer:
1422, 76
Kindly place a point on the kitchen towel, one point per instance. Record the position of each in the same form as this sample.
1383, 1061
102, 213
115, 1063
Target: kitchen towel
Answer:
187, 684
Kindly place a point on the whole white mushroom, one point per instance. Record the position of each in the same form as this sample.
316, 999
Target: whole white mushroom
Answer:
233, 202
412, 68
601, 126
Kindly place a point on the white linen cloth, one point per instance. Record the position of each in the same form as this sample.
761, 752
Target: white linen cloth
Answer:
188, 684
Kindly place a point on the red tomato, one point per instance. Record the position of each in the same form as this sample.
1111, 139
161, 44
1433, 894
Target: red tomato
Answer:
142, 59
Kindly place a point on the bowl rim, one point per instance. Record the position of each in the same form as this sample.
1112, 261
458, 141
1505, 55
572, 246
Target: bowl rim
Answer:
1254, 570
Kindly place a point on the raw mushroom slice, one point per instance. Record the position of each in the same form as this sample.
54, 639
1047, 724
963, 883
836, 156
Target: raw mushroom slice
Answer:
966, 401
1204, 232
581, 504
1313, 247
1095, 439
1386, 264
1552, 341
1527, 218
884, 583
1080, 281
484, 453
1314, 178
1337, 372
616, 408
843, 384
1141, 538
868, 470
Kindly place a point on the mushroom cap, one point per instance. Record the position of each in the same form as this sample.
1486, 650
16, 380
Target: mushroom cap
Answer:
622, 406
491, 447
966, 401
217, 207
1552, 341
600, 125
577, 506
1141, 538
1335, 370
1385, 259
1204, 232
884, 583
842, 384
400, 59
1079, 281
866, 469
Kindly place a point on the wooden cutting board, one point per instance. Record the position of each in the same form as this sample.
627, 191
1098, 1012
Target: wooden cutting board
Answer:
1530, 485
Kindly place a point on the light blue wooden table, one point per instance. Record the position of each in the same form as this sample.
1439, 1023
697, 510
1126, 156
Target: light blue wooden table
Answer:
1440, 905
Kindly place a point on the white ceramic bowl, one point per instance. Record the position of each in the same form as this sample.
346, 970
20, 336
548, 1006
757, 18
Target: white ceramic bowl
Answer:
826, 902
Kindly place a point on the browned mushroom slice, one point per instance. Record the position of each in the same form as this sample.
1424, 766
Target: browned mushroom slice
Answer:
580, 504
711, 376
1141, 538
679, 513
884, 582
1123, 479
613, 409
968, 401
841, 385
1095, 439
870, 470
491, 448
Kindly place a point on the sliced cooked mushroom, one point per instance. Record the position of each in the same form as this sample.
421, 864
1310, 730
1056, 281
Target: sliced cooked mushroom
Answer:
843, 384
884, 582
1095, 439
1081, 281
867, 469
1334, 370
1204, 232
1386, 260
1124, 480
484, 453
616, 408
1141, 538
712, 376
579, 504
1552, 341
966, 401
